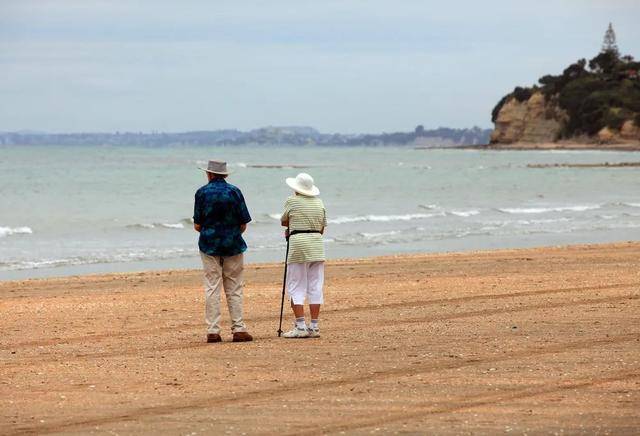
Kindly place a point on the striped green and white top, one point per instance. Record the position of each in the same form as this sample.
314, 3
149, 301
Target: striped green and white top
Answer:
305, 213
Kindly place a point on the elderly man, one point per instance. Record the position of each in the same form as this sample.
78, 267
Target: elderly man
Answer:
220, 216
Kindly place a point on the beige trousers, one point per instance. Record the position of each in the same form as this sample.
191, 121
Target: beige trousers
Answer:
219, 272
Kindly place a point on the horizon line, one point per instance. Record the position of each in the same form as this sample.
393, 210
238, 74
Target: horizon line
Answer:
154, 132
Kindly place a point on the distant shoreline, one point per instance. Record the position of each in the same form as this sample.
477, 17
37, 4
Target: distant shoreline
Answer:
487, 147
268, 136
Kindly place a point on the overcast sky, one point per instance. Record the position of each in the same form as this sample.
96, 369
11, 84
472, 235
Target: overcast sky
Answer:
339, 66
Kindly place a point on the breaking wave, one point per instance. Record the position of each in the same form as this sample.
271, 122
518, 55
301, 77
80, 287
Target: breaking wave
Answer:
371, 218
186, 222
378, 234
541, 221
535, 210
493, 229
10, 231
100, 258
383, 218
464, 213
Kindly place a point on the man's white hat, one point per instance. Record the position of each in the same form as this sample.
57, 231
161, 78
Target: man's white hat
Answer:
303, 184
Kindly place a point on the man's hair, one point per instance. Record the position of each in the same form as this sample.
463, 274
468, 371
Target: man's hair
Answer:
216, 176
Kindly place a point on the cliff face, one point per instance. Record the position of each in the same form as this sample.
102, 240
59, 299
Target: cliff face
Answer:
531, 121
536, 121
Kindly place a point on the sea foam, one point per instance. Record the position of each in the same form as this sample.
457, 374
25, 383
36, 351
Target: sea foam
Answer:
99, 257
382, 218
373, 218
378, 235
179, 225
10, 231
465, 213
530, 210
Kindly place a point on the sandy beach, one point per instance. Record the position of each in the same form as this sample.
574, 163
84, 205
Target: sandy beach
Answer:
524, 341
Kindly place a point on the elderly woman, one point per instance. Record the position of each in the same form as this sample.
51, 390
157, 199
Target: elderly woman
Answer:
305, 218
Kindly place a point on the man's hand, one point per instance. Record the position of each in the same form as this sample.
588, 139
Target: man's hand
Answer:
197, 227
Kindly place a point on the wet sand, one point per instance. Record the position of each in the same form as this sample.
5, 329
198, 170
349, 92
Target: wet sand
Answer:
513, 341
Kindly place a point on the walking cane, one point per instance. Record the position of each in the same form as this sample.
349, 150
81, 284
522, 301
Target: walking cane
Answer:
284, 282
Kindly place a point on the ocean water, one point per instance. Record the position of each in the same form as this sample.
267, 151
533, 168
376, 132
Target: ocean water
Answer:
78, 210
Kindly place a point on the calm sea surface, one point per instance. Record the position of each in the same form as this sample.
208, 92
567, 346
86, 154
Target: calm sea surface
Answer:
77, 210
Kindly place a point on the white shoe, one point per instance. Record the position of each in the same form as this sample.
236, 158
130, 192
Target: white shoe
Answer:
313, 333
296, 333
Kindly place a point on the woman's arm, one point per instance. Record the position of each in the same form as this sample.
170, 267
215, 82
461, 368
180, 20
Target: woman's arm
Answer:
284, 218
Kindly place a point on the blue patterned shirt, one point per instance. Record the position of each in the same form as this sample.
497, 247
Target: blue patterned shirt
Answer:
220, 210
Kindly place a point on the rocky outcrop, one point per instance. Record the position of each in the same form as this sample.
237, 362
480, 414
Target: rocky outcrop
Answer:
630, 131
606, 136
595, 102
530, 121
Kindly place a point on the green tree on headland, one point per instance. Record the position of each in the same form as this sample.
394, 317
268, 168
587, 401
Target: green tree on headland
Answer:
604, 92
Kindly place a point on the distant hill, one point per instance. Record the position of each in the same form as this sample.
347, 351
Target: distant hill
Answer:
289, 135
597, 101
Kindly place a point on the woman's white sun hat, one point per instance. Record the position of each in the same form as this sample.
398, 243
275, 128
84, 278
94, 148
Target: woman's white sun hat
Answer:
303, 184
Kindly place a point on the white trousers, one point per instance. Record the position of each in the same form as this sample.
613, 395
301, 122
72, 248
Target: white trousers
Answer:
305, 280
219, 272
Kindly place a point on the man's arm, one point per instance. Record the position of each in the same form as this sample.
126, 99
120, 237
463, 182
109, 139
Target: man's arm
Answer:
242, 213
197, 218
